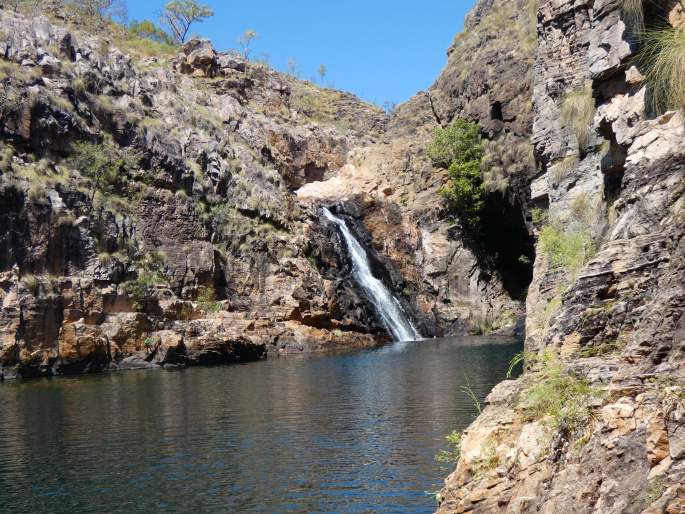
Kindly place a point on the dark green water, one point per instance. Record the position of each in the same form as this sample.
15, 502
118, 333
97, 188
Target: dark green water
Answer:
355, 432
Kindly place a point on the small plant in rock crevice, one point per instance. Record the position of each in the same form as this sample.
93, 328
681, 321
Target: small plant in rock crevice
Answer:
559, 396
453, 452
577, 112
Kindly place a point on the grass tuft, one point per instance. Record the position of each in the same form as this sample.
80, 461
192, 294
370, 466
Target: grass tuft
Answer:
577, 111
663, 63
561, 397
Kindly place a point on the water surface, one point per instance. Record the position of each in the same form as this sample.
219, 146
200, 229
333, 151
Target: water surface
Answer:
354, 432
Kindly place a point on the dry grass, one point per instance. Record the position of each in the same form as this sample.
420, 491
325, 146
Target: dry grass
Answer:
633, 13
663, 61
577, 111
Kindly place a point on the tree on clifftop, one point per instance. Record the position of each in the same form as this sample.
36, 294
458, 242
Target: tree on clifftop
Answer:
179, 15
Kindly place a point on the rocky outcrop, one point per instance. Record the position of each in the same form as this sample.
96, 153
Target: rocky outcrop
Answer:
147, 215
452, 283
608, 320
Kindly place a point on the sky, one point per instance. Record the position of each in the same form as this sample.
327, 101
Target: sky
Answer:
381, 50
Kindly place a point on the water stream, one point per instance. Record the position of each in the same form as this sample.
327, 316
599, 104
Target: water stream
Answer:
387, 306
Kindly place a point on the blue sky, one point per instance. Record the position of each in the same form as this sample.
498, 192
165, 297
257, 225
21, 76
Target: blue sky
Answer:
381, 50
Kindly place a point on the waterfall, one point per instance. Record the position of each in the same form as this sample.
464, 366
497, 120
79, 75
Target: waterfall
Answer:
387, 306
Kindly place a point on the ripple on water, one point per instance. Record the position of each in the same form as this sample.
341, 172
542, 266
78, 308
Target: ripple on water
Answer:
352, 432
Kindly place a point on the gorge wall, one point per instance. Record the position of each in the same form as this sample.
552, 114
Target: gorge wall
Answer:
596, 423
161, 206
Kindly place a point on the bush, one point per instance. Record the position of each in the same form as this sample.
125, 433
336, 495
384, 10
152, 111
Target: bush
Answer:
207, 300
565, 399
459, 148
148, 30
139, 289
460, 142
663, 62
577, 111
567, 248
451, 455
102, 163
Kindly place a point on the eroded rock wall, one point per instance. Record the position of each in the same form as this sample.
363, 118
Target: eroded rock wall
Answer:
146, 206
613, 319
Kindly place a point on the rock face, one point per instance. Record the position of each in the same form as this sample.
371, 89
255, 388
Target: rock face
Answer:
450, 283
162, 208
147, 214
611, 317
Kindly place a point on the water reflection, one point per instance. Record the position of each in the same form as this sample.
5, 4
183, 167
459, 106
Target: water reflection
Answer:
345, 433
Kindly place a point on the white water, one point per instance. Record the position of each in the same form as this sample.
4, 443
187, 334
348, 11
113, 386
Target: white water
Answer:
387, 306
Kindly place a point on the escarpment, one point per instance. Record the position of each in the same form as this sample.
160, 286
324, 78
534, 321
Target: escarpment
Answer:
146, 205
161, 206
596, 422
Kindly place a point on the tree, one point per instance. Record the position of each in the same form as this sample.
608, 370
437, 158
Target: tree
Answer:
459, 149
293, 68
148, 30
323, 71
244, 41
103, 9
179, 16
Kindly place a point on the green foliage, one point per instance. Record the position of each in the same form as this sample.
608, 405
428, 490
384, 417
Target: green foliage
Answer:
207, 300
148, 30
604, 348
662, 60
150, 343
451, 455
654, 490
140, 288
460, 142
459, 148
472, 396
180, 15
103, 163
567, 248
539, 217
560, 396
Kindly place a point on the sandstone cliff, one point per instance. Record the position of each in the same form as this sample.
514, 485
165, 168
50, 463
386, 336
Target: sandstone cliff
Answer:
161, 206
596, 423
147, 213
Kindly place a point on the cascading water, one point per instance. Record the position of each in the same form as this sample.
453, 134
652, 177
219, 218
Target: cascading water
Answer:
387, 306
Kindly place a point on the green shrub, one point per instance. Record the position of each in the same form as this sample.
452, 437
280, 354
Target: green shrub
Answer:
567, 248
560, 396
148, 30
207, 300
104, 164
662, 60
451, 455
150, 343
577, 111
460, 142
459, 148
139, 289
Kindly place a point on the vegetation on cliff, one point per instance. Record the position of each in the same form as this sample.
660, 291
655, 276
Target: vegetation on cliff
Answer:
459, 149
